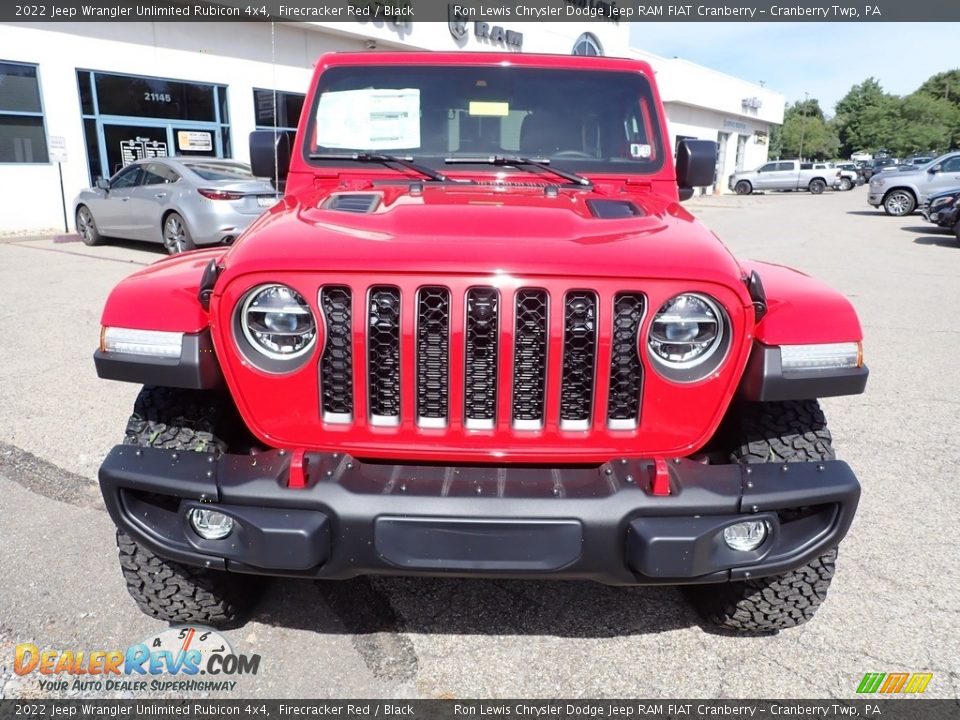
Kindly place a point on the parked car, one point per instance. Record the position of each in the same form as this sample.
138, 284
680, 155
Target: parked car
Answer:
943, 209
918, 160
878, 165
475, 362
848, 176
901, 192
783, 175
180, 202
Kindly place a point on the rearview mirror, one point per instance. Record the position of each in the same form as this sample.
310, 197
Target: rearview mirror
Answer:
270, 155
103, 183
696, 165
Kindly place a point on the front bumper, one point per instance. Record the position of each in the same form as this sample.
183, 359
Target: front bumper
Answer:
599, 523
875, 197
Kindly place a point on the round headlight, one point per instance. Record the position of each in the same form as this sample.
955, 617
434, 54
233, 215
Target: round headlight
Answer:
277, 322
687, 333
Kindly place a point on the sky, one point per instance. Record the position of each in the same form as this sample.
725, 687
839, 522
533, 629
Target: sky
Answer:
822, 59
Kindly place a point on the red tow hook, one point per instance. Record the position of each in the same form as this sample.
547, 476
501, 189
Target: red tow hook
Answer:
659, 477
297, 479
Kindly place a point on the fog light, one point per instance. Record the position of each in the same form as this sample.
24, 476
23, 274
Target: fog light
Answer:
210, 524
745, 536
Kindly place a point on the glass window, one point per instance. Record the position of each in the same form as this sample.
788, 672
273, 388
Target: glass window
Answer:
275, 109
93, 149
128, 177
769, 167
784, 166
86, 92
157, 174
221, 170
951, 164
587, 44
23, 138
435, 112
154, 98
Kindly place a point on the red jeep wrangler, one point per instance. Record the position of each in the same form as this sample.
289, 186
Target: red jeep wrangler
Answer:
479, 336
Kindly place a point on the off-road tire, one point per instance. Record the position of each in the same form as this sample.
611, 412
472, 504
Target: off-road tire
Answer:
899, 203
817, 186
743, 188
177, 593
780, 432
188, 420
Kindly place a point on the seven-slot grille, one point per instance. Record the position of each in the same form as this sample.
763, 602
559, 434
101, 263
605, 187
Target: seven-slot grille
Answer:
488, 337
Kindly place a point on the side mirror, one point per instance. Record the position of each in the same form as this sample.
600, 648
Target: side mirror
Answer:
934, 170
270, 152
696, 165
103, 183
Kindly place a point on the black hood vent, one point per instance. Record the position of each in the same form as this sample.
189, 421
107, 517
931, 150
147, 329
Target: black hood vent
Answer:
353, 202
614, 209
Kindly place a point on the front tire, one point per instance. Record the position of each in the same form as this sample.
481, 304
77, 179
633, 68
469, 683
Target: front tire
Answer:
87, 227
191, 421
899, 203
846, 184
743, 188
176, 235
817, 186
773, 432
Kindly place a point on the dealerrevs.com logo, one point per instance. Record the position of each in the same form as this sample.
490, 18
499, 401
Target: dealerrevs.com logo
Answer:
178, 659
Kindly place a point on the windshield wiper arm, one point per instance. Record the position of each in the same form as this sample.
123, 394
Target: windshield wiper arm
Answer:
518, 161
406, 162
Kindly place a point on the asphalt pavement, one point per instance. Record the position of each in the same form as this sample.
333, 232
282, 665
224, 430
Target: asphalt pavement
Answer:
893, 606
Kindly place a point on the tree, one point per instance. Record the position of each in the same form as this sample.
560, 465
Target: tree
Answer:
805, 133
945, 85
927, 123
849, 121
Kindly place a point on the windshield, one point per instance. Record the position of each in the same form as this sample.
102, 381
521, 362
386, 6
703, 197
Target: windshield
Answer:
584, 121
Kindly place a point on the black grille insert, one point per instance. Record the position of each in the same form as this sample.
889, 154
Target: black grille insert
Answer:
336, 365
626, 370
433, 355
482, 343
579, 359
530, 359
383, 355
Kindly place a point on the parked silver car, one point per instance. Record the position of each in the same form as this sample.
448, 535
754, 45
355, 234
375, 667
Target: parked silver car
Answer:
181, 202
901, 192
784, 175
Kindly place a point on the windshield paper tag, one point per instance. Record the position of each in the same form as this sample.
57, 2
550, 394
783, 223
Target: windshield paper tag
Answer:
640, 151
369, 119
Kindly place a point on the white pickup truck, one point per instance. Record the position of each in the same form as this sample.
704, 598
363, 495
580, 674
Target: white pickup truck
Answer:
784, 175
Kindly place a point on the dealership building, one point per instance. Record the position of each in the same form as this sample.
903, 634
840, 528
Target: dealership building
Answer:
80, 100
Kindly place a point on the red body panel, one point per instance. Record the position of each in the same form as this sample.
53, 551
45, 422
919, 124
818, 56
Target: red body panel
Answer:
801, 309
487, 234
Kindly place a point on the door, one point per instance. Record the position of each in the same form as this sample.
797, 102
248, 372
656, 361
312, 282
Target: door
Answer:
946, 178
150, 198
113, 214
124, 143
764, 176
784, 176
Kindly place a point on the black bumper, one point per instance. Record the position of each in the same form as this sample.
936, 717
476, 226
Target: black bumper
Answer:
599, 523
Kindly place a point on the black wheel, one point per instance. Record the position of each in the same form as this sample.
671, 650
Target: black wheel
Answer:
817, 186
846, 184
782, 432
87, 227
899, 203
176, 235
743, 188
188, 420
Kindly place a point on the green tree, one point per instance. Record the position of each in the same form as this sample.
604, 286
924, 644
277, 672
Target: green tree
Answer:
945, 85
806, 134
926, 123
849, 122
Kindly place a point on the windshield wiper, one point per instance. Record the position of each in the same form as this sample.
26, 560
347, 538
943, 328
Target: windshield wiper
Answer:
517, 161
406, 162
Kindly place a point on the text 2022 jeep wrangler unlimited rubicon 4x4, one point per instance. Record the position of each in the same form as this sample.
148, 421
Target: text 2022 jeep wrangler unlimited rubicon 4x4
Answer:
479, 336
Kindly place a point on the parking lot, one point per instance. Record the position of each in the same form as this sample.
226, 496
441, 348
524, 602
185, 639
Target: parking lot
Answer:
893, 606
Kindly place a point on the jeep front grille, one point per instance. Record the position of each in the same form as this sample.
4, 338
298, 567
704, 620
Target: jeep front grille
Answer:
479, 358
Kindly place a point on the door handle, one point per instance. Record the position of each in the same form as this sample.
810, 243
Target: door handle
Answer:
125, 199
160, 195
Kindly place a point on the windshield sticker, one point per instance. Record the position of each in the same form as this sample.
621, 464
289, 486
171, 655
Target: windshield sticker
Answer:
369, 119
640, 151
489, 109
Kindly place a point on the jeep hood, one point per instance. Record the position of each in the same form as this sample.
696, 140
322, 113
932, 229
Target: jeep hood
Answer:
483, 230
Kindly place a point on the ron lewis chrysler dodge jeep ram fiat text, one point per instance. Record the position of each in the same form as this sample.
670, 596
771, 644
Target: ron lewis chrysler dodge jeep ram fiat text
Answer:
478, 336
